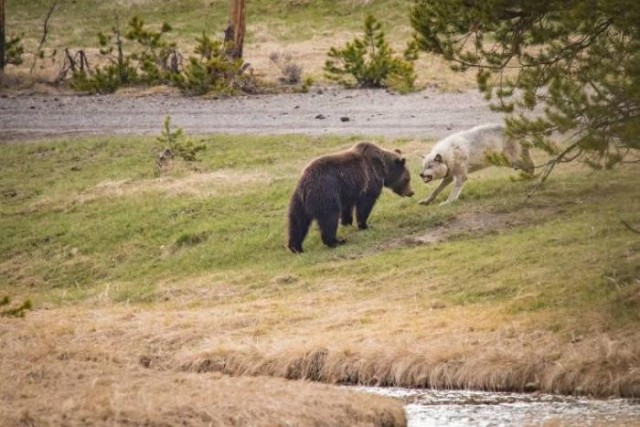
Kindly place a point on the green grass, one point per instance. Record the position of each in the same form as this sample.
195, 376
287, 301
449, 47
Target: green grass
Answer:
81, 217
73, 24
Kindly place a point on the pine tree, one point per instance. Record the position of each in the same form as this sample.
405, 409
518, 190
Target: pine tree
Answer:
371, 62
556, 66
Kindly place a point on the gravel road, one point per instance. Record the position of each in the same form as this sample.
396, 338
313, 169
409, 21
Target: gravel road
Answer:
427, 114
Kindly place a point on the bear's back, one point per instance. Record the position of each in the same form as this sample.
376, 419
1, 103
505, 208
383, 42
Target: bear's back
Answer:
331, 162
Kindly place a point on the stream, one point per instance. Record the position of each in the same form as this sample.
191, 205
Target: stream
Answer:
463, 408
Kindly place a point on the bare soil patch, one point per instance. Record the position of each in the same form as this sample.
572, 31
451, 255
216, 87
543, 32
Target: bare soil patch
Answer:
481, 223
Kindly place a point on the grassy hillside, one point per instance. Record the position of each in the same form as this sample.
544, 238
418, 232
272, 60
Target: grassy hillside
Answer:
303, 29
286, 21
144, 274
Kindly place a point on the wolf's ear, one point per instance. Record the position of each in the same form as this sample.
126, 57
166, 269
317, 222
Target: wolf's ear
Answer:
401, 161
438, 158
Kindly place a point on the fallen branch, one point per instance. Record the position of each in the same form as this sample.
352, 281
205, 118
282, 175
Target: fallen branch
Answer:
73, 63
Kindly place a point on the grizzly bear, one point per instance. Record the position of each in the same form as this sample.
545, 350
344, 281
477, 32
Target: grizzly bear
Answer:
332, 186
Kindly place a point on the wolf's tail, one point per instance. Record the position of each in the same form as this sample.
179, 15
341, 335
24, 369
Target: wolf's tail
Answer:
299, 222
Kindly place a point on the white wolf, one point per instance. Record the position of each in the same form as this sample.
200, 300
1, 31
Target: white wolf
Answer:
457, 155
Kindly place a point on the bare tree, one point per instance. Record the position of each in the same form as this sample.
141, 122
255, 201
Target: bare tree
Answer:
2, 36
234, 34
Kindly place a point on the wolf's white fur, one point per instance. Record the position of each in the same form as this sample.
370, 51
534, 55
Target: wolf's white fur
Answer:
457, 155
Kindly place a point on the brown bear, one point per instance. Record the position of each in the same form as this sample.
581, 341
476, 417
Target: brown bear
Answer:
332, 186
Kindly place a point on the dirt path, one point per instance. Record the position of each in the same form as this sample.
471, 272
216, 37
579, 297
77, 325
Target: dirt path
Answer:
427, 114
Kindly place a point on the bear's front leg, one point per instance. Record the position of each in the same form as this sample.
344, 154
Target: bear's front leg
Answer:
363, 210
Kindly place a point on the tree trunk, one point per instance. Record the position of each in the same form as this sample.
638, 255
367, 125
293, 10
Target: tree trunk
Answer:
234, 35
2, 36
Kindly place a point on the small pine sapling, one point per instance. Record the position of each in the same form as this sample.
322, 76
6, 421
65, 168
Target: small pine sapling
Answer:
175, 145
371, 62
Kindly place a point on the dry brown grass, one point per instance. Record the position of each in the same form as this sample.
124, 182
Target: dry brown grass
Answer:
168, 365
105, 367
85, 393
18, 80
601, 366
310, 55
208, 184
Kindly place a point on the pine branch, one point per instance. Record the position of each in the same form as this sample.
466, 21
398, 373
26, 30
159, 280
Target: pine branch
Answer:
551, 165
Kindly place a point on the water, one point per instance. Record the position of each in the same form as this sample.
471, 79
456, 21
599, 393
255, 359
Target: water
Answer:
461, 408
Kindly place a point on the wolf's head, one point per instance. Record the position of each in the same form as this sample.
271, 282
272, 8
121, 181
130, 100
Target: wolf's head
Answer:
433, 167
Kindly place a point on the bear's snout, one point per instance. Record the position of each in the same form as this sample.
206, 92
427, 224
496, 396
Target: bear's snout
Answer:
403, 191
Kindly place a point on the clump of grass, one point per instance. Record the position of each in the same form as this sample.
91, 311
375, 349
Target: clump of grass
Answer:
191, 239
18, 311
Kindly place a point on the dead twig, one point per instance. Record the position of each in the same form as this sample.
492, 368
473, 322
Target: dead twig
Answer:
45, 32
73, 63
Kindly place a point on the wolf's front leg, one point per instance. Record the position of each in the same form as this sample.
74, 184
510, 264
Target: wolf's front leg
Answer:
438, 190
457, 188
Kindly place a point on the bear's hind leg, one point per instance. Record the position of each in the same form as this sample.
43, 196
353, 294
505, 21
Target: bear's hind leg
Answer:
347, 215
328, 225
299, 224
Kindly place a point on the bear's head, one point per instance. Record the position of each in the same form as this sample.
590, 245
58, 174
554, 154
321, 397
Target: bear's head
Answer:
398, 178
390, 166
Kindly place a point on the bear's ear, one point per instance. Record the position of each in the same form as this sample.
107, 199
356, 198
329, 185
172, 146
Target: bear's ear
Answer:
397, 150
401, 161
438, 158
